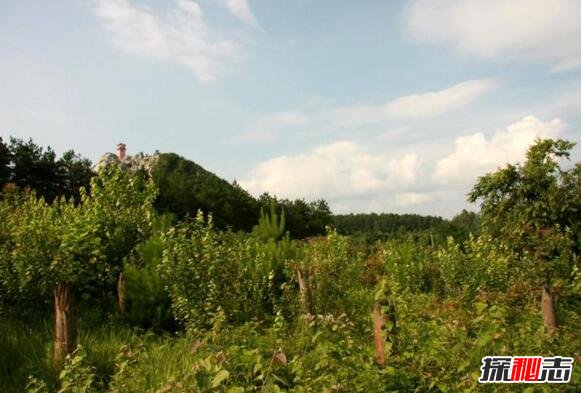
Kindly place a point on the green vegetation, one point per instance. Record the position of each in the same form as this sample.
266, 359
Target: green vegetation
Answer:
25, 164
303, 219
384, 223
385, 226
62, 247
185, 187
181, 304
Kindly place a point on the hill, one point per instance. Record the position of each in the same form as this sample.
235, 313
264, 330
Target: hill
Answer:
185, 187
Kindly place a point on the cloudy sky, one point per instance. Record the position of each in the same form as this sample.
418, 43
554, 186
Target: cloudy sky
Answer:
393, 106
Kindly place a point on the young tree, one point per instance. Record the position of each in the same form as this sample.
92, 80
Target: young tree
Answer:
535, 207
271, 226
63, 246
303, 219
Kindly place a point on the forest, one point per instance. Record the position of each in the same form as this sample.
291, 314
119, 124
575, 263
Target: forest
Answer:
175, 280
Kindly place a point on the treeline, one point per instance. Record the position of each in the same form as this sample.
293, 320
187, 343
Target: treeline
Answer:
385, 226
384, 223
185, 187
303, 219
26, 164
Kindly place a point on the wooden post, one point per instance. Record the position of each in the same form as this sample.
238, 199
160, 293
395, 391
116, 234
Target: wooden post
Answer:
378, 325
548, 309
121, 293
304, 292
65, 330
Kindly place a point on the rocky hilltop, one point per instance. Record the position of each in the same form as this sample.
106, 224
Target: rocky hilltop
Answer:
131, 163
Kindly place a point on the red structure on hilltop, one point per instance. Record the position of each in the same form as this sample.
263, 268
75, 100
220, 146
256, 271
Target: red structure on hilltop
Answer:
121, 150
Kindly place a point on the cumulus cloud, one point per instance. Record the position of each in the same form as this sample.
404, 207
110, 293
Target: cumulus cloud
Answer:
181, 37
546, 30
241, 10
474, 154
354, 176
342, 169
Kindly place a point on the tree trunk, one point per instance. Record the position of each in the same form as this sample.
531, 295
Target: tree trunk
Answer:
548, 309
121, 293
378, 325
304, 292
65, 330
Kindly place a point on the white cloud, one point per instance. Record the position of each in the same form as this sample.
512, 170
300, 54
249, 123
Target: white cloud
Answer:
423, 105
474, 155
391, 135
182, 37
546, 30
427, 178
342, 169
241, 10
413, 106
439, 102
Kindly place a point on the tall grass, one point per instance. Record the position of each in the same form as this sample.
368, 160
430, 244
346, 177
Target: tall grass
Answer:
26, 349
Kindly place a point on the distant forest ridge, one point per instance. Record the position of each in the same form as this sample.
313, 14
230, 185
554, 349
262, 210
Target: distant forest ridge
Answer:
185, 187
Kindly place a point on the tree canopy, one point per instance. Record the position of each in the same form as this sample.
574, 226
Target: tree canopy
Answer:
534, 208
533, 202
185, 187
50, 243
27, 164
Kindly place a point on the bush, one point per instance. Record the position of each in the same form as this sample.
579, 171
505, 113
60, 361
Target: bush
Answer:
486, 265
206, 271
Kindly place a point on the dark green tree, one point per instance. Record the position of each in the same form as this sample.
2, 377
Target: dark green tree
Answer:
34, 167
185, 187
535, 207
303, 219
5, 159
74, 172
459, 227
386, 225
27, 164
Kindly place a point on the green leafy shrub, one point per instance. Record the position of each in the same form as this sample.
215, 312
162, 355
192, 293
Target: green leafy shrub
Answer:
147, 303
483, 265
205, 270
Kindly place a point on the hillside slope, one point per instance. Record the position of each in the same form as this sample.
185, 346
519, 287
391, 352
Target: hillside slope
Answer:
184, 187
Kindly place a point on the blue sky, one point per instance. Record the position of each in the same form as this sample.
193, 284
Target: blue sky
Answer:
391, 106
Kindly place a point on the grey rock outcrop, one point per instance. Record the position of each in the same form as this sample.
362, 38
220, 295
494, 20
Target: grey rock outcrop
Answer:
131, 163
